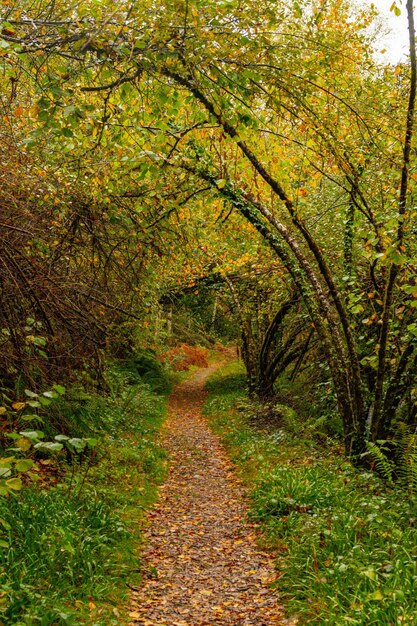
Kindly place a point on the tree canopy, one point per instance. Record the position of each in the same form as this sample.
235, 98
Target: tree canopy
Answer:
260, 149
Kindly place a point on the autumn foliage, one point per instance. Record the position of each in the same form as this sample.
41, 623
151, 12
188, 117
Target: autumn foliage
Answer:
183, 356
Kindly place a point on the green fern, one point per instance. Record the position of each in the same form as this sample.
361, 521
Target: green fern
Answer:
406, 444
383, 465
402, 467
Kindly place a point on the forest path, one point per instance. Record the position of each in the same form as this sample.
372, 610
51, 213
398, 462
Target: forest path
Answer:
201, 564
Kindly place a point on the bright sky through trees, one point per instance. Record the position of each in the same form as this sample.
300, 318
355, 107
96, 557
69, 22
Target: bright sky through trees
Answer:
396, 41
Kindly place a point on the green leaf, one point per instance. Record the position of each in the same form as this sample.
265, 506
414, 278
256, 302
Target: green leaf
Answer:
67, 132
31, 418
61, 438
33, 403
397, 258
5, 524
24, 465
44, 115
33, 435
30, 393
50, 394
77, 444
60, 389
69, 110
40, 341
50, 446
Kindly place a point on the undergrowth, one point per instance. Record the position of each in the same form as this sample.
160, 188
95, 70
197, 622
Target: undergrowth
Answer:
346, 542
70, 541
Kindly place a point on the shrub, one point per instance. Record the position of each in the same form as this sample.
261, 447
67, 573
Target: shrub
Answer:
183, 356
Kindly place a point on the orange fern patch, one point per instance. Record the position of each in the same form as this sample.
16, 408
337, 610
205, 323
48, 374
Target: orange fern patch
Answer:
181, 357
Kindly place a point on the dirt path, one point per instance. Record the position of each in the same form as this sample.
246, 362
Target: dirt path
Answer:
201, 565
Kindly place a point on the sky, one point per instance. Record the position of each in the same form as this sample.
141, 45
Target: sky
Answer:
396, 43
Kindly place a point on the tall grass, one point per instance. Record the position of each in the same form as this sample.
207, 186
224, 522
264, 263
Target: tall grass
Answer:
346, 543
70, 544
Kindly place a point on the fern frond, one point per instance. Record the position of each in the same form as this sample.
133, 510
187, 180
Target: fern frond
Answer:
383, 465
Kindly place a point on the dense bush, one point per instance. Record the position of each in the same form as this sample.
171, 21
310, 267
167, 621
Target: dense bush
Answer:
67, 538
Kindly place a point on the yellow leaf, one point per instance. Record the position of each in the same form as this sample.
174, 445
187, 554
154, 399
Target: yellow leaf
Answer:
14, 483
18, 406
24, 444
376, 595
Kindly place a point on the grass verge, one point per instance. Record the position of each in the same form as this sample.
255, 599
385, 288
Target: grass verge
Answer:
70, 549
346, 544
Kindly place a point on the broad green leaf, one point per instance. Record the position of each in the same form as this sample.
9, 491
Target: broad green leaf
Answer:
33, 435
50, 446
34, 404
44, 401
77, 444
24, 465
50, 394
30, 417
31, 394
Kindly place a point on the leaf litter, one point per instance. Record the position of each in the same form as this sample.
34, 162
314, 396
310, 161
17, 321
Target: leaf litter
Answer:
201, 564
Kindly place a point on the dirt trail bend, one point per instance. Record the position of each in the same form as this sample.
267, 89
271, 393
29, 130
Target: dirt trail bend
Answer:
201, 564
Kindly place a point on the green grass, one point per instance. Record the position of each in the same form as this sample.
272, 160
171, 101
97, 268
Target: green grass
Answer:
71, 548
346, 544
